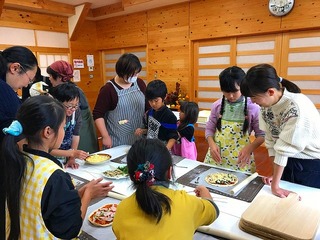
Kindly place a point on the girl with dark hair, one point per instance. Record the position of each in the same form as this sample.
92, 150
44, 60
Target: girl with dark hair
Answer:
121, 104
291, 122
18, 68
68, 95
230, 124
153, 210
41, 200
185, 146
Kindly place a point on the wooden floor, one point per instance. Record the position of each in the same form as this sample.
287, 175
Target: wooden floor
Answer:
263, 165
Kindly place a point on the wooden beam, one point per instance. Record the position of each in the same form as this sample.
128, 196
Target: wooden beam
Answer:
109, 9
75, 22
129, 3
1, 6
41, 6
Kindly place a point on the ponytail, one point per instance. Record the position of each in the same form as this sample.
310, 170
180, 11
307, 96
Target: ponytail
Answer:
148, 163
246, 120
15, 164
261, 77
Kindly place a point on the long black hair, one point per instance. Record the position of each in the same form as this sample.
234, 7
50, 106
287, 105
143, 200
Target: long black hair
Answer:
16, 54
229, 78
155, 152
261, 77
191, 112
35, 114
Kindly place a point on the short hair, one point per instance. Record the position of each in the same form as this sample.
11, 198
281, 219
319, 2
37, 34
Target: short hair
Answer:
65, 92
128, 65
155, 89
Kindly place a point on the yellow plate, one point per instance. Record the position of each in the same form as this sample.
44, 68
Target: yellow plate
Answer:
98, 158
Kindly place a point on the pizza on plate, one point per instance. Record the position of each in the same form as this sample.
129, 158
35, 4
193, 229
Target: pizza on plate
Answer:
104, 215
222, 179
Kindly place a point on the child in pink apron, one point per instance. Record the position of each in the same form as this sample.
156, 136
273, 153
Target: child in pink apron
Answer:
186, 146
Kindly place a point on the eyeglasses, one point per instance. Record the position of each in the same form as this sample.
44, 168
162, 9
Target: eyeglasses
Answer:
72, 107
24, 70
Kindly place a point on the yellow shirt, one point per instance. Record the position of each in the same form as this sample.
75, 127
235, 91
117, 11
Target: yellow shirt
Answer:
187, 214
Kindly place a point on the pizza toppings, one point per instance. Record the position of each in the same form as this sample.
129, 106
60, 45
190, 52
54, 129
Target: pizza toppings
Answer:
222, 179
114, 173
103, 216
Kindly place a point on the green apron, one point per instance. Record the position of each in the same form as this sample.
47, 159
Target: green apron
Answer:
231, 139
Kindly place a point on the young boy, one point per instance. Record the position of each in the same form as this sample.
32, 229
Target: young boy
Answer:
68, 94
160, 122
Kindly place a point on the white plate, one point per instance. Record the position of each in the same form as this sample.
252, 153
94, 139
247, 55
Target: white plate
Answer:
108, 206
120, 176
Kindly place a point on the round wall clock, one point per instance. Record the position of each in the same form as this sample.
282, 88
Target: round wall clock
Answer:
280, 7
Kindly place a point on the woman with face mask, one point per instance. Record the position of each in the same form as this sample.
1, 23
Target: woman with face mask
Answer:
121, 104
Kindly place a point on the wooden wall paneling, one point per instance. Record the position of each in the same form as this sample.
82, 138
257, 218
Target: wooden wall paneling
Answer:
304, 15
213, 19
1, 6
259, 48
210, 58
123, 31
168, 46
300, 62
43, 6
84, 45
31, 20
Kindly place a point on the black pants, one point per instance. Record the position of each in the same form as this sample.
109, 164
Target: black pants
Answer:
303, 171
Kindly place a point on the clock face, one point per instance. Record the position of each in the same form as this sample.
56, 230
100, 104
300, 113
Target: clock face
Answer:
280, 7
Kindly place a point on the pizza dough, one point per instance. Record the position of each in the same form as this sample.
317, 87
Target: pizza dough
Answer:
222, 179
104, 215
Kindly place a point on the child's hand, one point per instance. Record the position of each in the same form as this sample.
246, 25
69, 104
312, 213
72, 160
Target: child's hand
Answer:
202, 191
244, 156
138, 132
215, 152
71, 163
97, 189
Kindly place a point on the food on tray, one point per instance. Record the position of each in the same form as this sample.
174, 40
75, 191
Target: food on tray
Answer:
104, 215
98, 158
222, 179
120, 172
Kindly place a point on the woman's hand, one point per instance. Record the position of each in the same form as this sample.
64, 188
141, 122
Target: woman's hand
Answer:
202, 191
106, 141
79, 154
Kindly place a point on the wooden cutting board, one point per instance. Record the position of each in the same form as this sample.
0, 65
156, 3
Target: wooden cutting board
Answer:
271, 217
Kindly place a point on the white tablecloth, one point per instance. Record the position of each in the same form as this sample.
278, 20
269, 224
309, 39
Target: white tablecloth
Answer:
230, 209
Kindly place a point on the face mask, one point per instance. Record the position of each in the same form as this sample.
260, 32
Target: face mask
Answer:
132, 79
